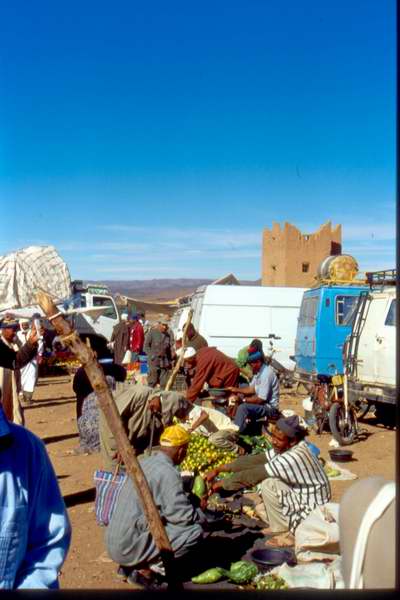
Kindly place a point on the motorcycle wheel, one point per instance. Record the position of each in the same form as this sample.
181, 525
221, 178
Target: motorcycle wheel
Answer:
343, 430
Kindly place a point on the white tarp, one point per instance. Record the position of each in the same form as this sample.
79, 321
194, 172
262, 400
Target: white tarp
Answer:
24, 272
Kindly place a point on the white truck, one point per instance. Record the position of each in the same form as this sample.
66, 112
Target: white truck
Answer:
370, 351
90, 308
231, 316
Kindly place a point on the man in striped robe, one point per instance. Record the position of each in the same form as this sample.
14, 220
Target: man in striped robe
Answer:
293, 480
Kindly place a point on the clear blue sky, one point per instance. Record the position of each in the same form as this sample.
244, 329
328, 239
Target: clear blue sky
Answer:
158, 138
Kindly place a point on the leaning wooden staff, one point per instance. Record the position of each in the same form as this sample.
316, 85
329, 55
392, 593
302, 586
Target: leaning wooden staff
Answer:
98, 381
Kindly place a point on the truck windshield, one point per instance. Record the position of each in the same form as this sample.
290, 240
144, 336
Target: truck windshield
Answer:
391, 316
308, 311
345, 309
105, 301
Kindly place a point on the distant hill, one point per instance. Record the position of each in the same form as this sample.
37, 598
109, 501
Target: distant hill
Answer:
160, 289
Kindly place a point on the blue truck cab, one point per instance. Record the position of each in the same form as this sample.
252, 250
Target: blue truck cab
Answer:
325, 320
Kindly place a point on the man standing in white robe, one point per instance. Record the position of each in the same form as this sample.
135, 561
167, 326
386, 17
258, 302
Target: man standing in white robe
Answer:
29, 373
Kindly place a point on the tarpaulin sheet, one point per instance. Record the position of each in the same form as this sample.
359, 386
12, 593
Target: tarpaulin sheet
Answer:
24, 272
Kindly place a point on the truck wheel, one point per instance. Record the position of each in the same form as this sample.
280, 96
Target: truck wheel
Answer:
343, 430
386, 414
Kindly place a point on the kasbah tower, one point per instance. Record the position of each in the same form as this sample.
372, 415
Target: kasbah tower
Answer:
291, 258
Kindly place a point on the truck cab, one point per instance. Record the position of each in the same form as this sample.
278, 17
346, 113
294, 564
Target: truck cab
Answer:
325, 320
370, 352
93, 296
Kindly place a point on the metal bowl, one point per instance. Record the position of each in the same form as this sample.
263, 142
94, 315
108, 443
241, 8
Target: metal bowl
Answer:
272, 557
340, 455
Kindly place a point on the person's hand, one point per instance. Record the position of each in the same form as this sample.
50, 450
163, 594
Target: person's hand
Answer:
155, 404
233, 389
216, 486
33, 336
211, 474
116, 456
204, 502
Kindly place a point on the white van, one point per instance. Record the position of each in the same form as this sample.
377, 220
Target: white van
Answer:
370, 351
231, 316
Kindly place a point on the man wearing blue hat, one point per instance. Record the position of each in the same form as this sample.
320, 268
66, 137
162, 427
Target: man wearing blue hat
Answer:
259, 399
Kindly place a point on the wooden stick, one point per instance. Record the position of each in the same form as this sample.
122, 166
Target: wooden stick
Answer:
98, 381
179, 362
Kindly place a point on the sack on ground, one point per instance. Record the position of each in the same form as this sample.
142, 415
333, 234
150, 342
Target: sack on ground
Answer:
108, 487
317, 537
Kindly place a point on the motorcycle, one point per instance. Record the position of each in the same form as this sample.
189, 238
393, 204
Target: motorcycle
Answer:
330, 407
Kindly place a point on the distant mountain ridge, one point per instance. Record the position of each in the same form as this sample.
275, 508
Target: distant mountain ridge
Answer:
159, 289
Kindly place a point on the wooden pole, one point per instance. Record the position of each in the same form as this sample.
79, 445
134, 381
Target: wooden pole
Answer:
179, 362
98, 381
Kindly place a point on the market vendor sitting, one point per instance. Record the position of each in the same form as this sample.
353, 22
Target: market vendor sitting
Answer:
128, 538
210, 366
293, 480
260, 398
243, 355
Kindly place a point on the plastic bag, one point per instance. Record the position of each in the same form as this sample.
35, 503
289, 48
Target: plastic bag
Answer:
317, 537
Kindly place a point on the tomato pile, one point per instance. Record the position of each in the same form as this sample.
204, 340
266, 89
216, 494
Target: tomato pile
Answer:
202, 455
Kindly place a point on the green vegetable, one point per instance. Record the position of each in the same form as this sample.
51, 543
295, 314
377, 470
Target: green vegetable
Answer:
199, 487
271, 582
242, 571
210, 576
332, 472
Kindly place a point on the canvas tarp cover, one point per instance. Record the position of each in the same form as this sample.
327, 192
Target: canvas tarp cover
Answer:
24, 272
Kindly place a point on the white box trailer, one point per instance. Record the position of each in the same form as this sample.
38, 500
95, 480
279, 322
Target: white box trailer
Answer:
231, 316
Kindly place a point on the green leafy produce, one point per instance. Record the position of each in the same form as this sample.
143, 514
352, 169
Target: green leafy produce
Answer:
199, 487
271, 582
242, 571
258, 443
202, 455
210, 576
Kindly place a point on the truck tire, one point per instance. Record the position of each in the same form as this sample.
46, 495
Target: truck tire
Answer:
385, 414
343, 431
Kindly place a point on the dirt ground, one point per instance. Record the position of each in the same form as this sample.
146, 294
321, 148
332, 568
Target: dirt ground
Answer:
53, 419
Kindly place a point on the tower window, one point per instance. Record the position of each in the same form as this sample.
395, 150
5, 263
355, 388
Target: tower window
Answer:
305, 267
273, 267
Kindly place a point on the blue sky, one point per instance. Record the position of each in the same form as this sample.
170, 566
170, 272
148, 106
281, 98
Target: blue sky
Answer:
157, 139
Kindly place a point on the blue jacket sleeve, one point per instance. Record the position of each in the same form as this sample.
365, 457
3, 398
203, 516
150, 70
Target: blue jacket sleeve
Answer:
49, 530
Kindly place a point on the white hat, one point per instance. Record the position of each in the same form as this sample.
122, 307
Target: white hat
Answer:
189, 352
21, 321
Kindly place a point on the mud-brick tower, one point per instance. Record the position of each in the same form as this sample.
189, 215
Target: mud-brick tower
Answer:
291, 258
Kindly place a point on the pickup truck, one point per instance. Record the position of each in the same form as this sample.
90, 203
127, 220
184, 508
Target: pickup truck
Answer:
91, 309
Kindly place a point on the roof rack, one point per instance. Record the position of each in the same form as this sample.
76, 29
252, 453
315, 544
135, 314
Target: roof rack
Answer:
375, 278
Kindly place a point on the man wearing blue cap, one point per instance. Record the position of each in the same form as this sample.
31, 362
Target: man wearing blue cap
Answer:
259, 399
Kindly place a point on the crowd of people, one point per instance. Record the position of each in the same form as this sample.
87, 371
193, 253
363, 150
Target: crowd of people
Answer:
35, 530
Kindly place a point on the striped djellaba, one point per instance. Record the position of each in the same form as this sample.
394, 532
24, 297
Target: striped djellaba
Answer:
302, 471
